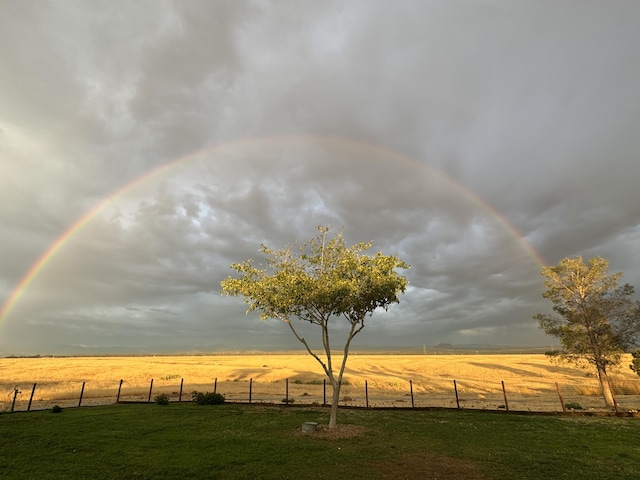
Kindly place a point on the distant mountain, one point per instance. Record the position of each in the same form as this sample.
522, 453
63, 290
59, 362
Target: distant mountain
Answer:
213, 349
445, 348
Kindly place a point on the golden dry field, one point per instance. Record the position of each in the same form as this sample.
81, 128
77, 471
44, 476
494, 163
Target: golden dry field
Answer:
529, 380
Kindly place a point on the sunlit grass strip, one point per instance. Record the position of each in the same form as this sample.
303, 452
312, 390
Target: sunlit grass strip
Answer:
530, 380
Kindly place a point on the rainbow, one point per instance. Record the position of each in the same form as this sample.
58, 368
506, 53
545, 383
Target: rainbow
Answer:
332, 141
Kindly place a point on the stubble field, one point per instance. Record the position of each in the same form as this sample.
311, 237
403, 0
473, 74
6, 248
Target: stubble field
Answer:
531, 381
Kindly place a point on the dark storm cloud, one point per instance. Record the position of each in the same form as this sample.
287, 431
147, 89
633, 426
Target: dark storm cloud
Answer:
531, 107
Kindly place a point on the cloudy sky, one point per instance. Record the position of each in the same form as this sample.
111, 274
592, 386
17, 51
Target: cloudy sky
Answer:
145, 146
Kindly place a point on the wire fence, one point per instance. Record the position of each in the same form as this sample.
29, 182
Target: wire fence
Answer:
516, 396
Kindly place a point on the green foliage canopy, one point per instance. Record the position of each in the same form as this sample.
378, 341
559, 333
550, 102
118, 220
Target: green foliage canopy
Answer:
320, 280
595, 318
323, 278
635, 362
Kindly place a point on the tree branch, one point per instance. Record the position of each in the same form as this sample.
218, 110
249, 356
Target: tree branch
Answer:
352, 333
304, 342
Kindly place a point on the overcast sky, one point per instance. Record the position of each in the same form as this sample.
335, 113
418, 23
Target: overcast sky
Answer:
463, 135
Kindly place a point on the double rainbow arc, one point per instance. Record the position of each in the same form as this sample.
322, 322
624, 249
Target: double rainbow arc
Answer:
234, 146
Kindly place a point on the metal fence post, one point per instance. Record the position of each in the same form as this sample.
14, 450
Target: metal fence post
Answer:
31, 397
366, 393
119, 389
286, 392
324, 391
411, 387
81, 393
504, 392
564, 408
455, 387
15, 394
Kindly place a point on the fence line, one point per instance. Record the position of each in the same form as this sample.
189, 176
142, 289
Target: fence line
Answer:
459, 397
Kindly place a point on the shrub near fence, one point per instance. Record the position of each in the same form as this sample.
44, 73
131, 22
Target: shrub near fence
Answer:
500, 396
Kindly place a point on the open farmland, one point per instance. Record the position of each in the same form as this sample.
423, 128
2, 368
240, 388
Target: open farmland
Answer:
382, 380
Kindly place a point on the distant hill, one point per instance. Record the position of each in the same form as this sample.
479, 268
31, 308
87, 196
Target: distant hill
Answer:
448, 348
218, 349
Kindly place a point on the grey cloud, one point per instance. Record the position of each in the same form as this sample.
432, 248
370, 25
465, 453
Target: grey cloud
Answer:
291, 116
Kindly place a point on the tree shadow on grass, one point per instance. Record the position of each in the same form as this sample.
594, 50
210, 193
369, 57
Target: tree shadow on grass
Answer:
515, 371
559, 370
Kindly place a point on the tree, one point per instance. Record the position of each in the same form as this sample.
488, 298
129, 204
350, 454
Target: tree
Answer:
321, 281
596, 320
635, 362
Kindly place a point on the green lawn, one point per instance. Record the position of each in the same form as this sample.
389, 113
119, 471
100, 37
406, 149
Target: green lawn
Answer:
186, 441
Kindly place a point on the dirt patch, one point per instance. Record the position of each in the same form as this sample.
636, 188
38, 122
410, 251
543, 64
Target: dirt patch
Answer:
336, 433
428, 466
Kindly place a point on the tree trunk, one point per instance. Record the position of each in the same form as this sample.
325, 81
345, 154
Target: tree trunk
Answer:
606, 387
335, 398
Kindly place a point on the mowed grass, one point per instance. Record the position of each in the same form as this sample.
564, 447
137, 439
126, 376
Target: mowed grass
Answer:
183, 440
